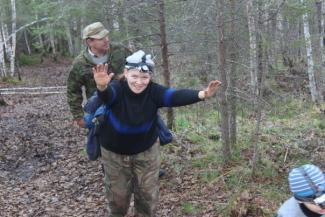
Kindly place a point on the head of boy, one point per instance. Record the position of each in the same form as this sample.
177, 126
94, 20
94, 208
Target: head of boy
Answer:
307, 183
138, 71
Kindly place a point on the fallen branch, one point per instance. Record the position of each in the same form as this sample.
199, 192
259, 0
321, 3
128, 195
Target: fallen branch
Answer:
32, 93
32, 88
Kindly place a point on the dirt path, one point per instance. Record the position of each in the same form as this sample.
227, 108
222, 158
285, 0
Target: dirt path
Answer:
43, 168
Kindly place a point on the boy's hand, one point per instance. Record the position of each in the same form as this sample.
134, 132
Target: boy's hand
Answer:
212, 88
101, 77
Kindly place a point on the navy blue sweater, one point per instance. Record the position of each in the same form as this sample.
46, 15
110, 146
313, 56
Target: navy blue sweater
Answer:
132, 118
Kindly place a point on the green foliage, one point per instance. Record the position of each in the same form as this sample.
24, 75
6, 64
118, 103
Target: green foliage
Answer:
83, 153
181, 122
293, 9
290, 133
206, 161
25, 59
320, 123
10, 80
209, 176
196, 138
289, 107
190, 208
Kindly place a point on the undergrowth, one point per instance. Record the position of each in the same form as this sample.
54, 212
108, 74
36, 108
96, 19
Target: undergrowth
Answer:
292, 133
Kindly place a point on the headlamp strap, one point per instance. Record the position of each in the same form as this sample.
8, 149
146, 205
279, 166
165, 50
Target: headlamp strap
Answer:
144, 59
310, 182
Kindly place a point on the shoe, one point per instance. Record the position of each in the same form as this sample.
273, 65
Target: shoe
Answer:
162, 172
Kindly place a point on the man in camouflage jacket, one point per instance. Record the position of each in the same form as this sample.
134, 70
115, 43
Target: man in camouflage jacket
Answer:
98, 51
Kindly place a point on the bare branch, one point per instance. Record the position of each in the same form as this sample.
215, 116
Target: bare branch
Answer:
25, 26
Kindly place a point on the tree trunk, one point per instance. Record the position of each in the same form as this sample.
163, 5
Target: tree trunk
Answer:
13, 39
279, 31
252, 45
164, 54
224, 80
27, 42
120, 17
320, 22
69, 38
52, 40
320, 4
39, 36
208, 60
76, 35
232, 77
310, 61
7, 45
260, 80
300, 35
2, 55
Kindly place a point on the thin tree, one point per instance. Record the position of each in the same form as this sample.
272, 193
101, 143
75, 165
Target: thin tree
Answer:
252, 45
2, 54
260, 86
13, 39
310, 60
232, 76
164, 54
320, 4
320, 22
223, 75
27, 42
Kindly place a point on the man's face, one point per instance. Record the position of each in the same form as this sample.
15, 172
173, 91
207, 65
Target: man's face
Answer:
98, 46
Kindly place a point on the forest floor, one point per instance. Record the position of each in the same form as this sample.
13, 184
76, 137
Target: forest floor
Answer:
44, 170
43, 167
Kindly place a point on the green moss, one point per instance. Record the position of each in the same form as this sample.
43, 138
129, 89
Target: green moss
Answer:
10, 80
189, 208
28, 60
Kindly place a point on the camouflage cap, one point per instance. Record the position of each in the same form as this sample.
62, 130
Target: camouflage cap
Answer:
94, 30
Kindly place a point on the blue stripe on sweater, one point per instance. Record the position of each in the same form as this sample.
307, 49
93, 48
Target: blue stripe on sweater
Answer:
167, 97
121, 128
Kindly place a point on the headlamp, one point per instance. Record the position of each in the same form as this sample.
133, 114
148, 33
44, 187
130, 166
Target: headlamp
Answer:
320, 201
317, 200
139, 66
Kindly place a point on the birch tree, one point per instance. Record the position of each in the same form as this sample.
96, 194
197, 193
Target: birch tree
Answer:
13, 38
320, 4
320, 21
310, 60
9, 40
232, 76
2, 54
279, 31
252, 45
